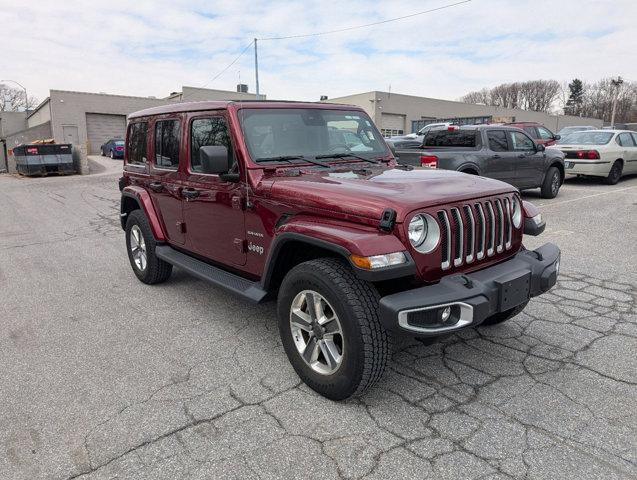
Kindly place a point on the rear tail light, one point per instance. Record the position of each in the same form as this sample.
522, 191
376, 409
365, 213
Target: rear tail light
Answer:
588, 154
451, 128
119, 149
430, 161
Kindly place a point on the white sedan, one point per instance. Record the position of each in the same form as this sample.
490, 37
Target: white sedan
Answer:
600, 153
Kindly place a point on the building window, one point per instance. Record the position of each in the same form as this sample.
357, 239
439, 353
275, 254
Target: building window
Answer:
388, 132
167, 144
137, 143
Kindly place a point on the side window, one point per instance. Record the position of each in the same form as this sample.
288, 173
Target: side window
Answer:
634, 138
521, 142
497, 140
137, 143
208, 131
626, 140
545, 134
531, 131
167, 144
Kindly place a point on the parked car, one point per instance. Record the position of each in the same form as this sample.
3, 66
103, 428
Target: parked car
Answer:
600, 153
496, 151
254, 198
575, 128
113, 148
417, 137
537, 131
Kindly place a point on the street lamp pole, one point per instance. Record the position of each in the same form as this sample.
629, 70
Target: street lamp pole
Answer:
616, 83
26, 96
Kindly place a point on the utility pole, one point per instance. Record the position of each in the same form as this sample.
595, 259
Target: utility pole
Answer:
616, 83
256, 68
26, 96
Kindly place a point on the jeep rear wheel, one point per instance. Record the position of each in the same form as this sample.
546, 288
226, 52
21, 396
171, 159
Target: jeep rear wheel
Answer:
329, 326
140, 244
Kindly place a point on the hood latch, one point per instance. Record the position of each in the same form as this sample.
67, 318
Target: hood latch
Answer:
387, 220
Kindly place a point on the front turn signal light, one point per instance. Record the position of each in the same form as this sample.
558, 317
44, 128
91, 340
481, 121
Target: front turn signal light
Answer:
379, 261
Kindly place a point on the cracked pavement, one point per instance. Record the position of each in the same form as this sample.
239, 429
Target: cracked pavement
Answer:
105, 377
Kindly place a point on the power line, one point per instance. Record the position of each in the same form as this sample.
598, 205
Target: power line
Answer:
328, 32
367, 24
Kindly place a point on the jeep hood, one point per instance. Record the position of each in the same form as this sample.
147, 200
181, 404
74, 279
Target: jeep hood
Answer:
367, 192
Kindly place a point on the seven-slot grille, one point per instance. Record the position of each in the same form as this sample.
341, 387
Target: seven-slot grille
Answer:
475, 230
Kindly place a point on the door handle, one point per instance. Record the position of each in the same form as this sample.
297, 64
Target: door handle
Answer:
496, 156
156, 186
190, 193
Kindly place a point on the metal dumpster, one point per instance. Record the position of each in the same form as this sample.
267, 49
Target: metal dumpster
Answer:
44, 159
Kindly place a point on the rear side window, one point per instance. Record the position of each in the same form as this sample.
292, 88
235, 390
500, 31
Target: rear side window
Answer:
497, 140
167, 144
531, 131
208, 131
451, 138
137, 143
626, 140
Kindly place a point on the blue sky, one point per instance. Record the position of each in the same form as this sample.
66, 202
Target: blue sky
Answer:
154, 47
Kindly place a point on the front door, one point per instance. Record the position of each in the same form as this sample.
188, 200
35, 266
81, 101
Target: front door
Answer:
529, 163
213, 208
500, 163
165, 183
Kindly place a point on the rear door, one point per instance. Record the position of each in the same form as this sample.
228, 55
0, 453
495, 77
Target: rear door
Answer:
629, 144
529, 163
213, 208
500, 162
166, 180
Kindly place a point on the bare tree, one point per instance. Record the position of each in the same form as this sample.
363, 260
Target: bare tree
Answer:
598, 100
481, 96
13, 99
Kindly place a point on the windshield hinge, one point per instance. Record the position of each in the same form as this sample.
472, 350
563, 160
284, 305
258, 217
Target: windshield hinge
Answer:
387, 220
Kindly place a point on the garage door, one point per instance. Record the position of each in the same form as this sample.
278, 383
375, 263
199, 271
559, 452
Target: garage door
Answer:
101, 127
392, 124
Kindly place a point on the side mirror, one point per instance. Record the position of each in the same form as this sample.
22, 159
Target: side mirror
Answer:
557, 137
214, 159
540, 148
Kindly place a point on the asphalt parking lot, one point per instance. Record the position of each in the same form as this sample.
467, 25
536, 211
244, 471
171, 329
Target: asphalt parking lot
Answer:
105, 377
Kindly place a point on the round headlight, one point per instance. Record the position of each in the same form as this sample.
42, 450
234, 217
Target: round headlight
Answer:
423, 232
417, 231
517, 213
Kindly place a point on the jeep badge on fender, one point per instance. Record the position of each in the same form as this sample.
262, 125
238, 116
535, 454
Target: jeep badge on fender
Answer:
351, 246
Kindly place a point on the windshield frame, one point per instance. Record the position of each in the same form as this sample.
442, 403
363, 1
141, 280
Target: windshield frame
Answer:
383, 154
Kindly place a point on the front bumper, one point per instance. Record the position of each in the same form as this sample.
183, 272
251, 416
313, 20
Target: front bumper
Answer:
472, 297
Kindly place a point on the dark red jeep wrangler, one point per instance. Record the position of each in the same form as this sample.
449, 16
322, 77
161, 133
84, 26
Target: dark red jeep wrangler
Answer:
305, 203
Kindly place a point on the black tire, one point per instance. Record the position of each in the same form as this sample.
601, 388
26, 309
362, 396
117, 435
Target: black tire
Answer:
112, 155
615, 173
504, 316
155, 270
366, 346
552, 183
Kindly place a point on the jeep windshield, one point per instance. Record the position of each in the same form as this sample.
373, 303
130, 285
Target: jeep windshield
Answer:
305, 134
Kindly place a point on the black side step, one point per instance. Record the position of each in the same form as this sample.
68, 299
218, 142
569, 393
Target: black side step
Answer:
234, 283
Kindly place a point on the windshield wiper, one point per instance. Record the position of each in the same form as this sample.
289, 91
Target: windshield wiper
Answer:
289, 158
348, 154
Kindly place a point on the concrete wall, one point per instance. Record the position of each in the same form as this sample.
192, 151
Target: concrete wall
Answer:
416, 108
41, 114
39, 132
194, 94
70, 109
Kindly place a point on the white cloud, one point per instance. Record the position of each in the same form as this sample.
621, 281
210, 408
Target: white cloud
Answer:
155, 47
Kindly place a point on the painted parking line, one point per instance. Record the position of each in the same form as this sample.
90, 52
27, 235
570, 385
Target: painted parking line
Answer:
552, 204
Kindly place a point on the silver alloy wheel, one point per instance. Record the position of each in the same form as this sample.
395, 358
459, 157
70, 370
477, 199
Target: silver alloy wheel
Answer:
138, 248
555, 183
316, 332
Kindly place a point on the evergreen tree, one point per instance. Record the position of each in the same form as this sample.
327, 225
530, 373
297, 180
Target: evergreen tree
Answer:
575, 98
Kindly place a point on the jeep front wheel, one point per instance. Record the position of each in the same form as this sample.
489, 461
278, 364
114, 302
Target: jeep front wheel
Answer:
329, 326
140, 244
